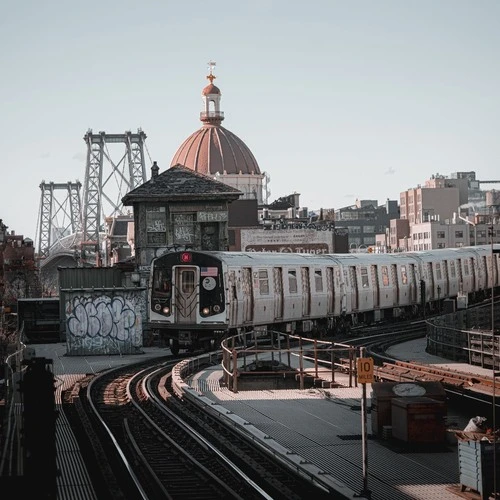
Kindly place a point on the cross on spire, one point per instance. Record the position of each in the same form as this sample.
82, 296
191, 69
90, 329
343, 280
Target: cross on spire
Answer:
211, 66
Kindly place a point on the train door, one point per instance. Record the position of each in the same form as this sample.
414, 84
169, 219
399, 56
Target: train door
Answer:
278, 292
412, 276
446, 280
344, 289
429, 293
460, 278
233, 299
306, 291
354, 288
395, 284
483, 271
375, 287
247, 294
186, 294
473, 274
330, 290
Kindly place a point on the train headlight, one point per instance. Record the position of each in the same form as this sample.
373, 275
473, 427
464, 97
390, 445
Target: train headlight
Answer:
217, 308
166, 310
205, 311
157, 307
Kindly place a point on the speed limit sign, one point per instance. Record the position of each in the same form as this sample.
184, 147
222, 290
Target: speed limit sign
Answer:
365, 370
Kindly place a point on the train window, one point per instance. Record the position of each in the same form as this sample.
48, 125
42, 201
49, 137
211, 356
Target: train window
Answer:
318, 280
263, 282
292, 281
364, 277
404, 275
385, 276
439, 275
466, 267
187, 280
162, 282
453, 273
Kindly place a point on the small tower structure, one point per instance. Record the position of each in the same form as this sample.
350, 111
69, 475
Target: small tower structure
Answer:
215, 151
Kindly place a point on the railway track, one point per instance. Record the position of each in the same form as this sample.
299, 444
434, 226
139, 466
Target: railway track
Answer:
377, 340
160, 447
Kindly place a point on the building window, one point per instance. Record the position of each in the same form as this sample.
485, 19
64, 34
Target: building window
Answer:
441, 245
263, 282
459, 234
156, 225
354, 229
369, 229
318, 280
441, 234
183, 225
292, 281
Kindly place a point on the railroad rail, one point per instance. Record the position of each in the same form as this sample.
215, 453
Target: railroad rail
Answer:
415, 372
161, 447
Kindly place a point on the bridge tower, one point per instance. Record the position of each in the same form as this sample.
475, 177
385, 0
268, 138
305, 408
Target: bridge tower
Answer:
59, 215
108, 179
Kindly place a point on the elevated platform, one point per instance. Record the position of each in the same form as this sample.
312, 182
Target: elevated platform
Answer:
321, 427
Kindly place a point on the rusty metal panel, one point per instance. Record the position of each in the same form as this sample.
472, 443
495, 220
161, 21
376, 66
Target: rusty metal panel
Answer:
89, 277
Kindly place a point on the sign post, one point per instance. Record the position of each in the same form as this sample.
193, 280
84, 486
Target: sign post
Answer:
365, 376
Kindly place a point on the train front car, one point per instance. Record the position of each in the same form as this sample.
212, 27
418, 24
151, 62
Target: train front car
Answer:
187, 301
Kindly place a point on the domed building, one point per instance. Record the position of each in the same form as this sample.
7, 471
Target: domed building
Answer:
213, 150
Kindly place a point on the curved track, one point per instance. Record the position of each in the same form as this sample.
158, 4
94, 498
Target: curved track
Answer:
160, 447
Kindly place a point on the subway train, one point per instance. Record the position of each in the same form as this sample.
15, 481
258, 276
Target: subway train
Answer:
196, 298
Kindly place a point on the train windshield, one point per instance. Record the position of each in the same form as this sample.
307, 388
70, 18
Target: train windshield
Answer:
162, 282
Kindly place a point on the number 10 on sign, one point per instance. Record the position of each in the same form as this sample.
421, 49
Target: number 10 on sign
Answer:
365, 370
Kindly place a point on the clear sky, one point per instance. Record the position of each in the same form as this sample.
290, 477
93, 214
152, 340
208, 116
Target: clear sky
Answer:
337, 100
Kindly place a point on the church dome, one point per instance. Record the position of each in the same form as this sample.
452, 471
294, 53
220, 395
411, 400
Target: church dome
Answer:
215, 149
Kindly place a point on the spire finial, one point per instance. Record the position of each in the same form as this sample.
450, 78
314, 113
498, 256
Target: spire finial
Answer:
211, 76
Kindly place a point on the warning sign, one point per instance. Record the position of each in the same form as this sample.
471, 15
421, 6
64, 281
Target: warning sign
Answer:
365, 370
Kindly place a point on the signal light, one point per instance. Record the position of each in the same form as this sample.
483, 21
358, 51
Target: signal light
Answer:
186, 257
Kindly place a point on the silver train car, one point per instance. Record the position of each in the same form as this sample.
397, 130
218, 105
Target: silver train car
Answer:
197, 298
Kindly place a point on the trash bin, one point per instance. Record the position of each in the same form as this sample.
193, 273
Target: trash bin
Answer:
475, 461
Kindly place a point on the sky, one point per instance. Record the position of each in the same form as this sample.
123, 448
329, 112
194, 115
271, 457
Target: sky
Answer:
337, 100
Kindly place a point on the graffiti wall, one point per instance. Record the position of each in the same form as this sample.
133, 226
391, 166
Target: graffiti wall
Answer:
104, 322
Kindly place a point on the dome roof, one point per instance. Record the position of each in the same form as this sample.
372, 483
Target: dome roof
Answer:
213, 149
210, 89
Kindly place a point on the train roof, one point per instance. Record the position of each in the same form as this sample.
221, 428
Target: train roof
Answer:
279, 258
